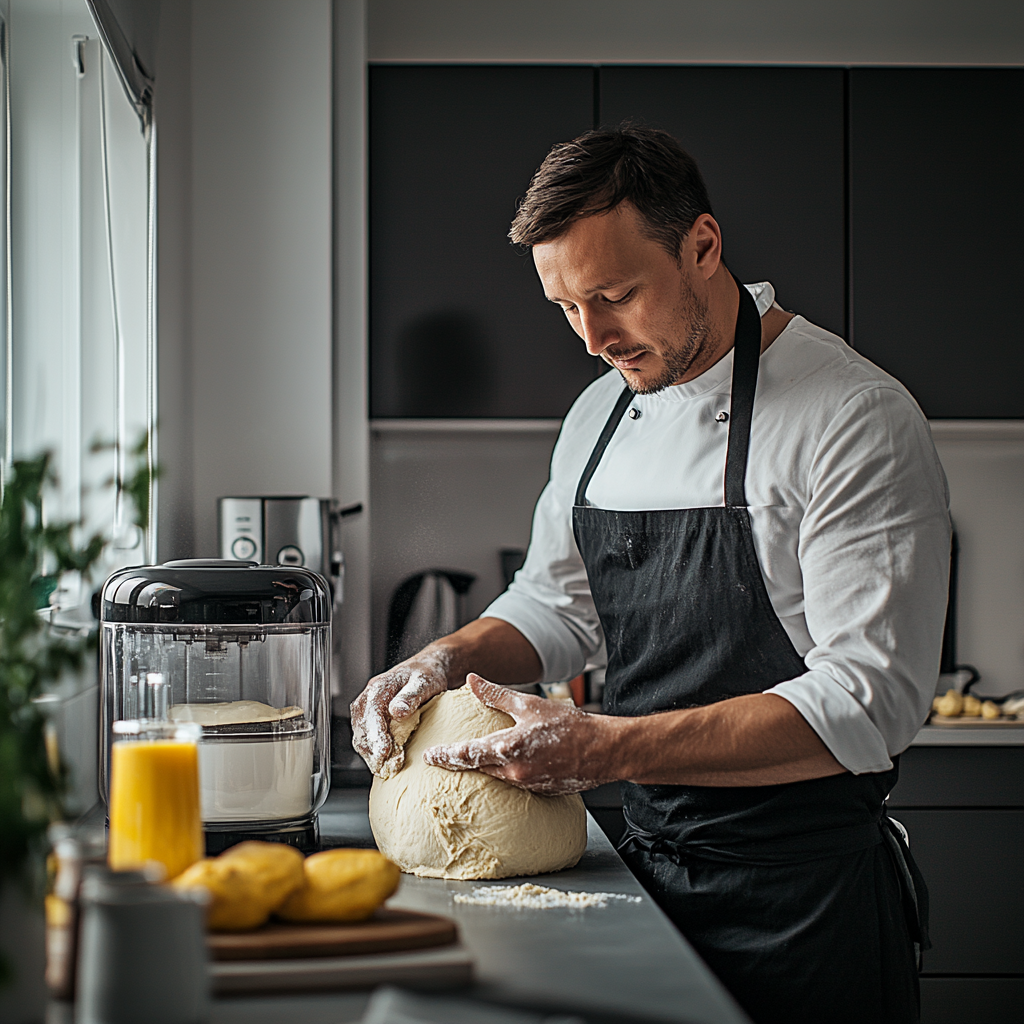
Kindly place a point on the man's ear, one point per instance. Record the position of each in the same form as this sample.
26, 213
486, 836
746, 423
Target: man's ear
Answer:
704, 240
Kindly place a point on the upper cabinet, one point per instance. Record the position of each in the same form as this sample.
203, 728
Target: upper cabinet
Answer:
769, 142
937, 222
459, 324
884, 204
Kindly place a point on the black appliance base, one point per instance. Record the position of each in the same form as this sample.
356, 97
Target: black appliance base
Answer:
303, 835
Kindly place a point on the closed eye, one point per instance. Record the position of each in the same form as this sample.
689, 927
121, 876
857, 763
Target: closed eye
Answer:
625, 298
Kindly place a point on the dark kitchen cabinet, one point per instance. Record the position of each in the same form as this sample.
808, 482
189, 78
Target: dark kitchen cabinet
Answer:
964, 810
459, 325
769, 142
970, 857
883, 203
936, 218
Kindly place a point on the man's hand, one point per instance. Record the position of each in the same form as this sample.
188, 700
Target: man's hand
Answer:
489, 645
553, 748
396, 693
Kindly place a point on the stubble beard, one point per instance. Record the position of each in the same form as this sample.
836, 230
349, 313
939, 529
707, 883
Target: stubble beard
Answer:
679, 356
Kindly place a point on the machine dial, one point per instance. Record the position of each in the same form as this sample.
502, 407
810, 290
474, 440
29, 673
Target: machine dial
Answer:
243, 548
290, 555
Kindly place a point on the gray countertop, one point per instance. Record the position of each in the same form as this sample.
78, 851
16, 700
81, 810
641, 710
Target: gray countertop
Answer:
970, 736
625, 958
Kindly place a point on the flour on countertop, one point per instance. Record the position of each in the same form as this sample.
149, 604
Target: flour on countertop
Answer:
538, 897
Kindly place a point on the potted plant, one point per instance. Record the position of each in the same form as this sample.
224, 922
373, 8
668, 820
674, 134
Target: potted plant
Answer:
34, 555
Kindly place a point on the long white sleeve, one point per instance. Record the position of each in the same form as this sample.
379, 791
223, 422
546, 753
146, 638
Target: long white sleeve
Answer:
849, 516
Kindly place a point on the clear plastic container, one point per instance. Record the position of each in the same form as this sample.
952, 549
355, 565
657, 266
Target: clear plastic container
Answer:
243, 651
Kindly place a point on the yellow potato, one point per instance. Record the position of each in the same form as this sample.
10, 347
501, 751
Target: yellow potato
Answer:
246, 883
990, 710
342, 885
972, 706
277, 868
951, 705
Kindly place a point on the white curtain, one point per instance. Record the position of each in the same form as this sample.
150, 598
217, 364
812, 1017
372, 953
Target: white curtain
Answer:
81, 351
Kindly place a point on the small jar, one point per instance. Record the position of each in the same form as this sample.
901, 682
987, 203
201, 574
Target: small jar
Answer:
142, 954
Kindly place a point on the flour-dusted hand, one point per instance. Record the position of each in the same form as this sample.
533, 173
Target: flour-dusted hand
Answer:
395, 696
553, 748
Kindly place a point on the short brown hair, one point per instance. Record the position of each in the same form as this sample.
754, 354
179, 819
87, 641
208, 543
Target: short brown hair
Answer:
603, 168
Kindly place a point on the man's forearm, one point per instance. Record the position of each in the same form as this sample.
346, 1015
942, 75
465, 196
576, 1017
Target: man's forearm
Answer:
756, 740
492, 648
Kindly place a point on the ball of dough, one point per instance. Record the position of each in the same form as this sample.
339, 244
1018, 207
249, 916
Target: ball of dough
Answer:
443, 824
990, 710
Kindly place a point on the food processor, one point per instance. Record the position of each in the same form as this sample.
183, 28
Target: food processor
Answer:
242, 650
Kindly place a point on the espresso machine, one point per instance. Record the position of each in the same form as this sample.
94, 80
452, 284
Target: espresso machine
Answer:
243, 650
290, 530
284, 530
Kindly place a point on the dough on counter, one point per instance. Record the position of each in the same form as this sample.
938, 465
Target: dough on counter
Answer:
231, 712
443, 824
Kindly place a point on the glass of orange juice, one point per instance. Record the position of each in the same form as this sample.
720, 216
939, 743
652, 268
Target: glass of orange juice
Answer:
154, 796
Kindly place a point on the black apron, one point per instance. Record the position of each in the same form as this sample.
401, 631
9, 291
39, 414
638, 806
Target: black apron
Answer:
798, 896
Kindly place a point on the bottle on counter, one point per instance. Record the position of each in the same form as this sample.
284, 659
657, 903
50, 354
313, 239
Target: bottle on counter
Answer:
75, 847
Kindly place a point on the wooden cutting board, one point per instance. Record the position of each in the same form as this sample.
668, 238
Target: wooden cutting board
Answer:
386, 932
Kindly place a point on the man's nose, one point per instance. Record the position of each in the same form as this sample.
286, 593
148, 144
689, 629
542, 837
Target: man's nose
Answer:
597, 331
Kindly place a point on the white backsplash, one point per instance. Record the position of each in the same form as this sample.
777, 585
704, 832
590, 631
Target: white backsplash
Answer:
452, 499
984, 463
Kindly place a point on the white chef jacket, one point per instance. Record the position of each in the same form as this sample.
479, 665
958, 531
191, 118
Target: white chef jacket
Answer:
849, 512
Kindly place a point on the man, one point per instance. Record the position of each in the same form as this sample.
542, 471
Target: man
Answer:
757, 527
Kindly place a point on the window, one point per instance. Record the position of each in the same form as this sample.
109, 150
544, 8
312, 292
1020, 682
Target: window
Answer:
79, 361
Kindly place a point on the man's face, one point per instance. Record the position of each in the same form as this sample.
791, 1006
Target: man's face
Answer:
627, 298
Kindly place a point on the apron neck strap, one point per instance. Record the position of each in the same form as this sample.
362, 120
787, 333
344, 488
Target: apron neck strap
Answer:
745, 360
602, 442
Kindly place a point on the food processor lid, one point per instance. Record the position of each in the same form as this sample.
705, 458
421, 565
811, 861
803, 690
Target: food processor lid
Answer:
210, 591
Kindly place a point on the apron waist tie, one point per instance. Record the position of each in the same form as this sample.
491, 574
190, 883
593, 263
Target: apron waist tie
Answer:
781, 850
913, 890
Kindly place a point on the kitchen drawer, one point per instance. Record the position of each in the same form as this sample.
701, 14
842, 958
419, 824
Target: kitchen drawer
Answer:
971, 861
971, 1000
960, 777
